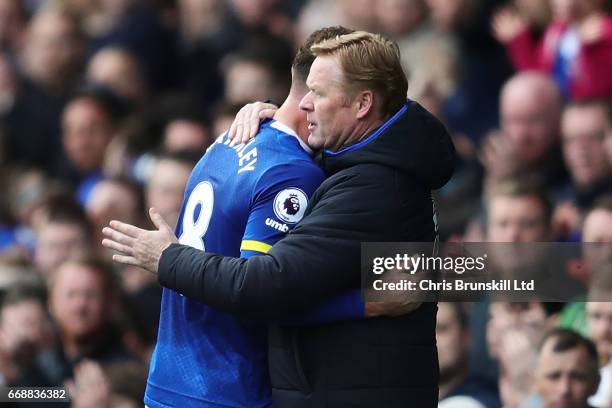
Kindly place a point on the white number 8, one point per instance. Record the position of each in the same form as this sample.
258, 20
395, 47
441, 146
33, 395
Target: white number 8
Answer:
194, 230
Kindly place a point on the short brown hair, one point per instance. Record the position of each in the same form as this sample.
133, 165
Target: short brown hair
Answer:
304, 57
59, 207
522, 187
602, 203
605, 105
370, 61
101, 267
23, 293
566, 339
602, 103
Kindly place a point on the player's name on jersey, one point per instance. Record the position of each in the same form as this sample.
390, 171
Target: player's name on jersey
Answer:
247, 155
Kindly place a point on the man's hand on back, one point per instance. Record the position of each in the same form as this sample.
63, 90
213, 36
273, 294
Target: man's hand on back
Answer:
395, 303
246, 124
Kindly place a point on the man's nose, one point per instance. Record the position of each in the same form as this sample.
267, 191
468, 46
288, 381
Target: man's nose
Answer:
306, 102
564, 387
512, 234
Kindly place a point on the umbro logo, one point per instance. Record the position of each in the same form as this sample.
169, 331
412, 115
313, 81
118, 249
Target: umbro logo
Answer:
277, 225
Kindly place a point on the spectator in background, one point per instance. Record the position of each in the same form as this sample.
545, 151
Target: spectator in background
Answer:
145, 132
429, 56
127, 381
117, 69
224, 116
62, 231
504, 315
537, 14
528, 142
599, 323
172, 124
518, 212
398, 18
25, 334
100, 16
472, 107
596, 264
597, 234
514, 331
166, 185
358, 14
450, 15
583, 129
82, 302
53, 50
567, 369
28, 192
575, 48
118, 385
517, 354
453, 339
201, 48
249, 76
113, 199
88, 126
13, 21
25, 191
29, 124
260, 14
137, 26
16, 270
597, 237
245, 19
186, 132
91, 387
200, 19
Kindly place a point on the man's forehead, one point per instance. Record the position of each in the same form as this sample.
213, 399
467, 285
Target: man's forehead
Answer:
600, 307
324, 69
72, 274
570, 359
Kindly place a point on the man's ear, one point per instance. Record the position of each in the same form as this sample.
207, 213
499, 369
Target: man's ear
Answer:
365, 103
595, 384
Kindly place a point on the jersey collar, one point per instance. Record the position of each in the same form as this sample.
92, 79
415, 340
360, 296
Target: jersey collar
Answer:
286, 129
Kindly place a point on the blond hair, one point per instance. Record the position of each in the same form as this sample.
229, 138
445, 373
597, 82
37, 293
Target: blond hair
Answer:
369, 61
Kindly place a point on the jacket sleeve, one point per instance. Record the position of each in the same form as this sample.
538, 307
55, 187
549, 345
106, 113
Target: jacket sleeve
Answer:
316, 260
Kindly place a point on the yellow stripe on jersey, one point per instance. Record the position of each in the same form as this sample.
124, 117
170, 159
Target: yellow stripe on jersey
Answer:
258, 246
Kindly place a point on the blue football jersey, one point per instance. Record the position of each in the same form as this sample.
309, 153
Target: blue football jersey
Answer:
239, 201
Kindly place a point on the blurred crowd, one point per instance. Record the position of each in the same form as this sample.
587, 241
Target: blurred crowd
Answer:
106, 105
